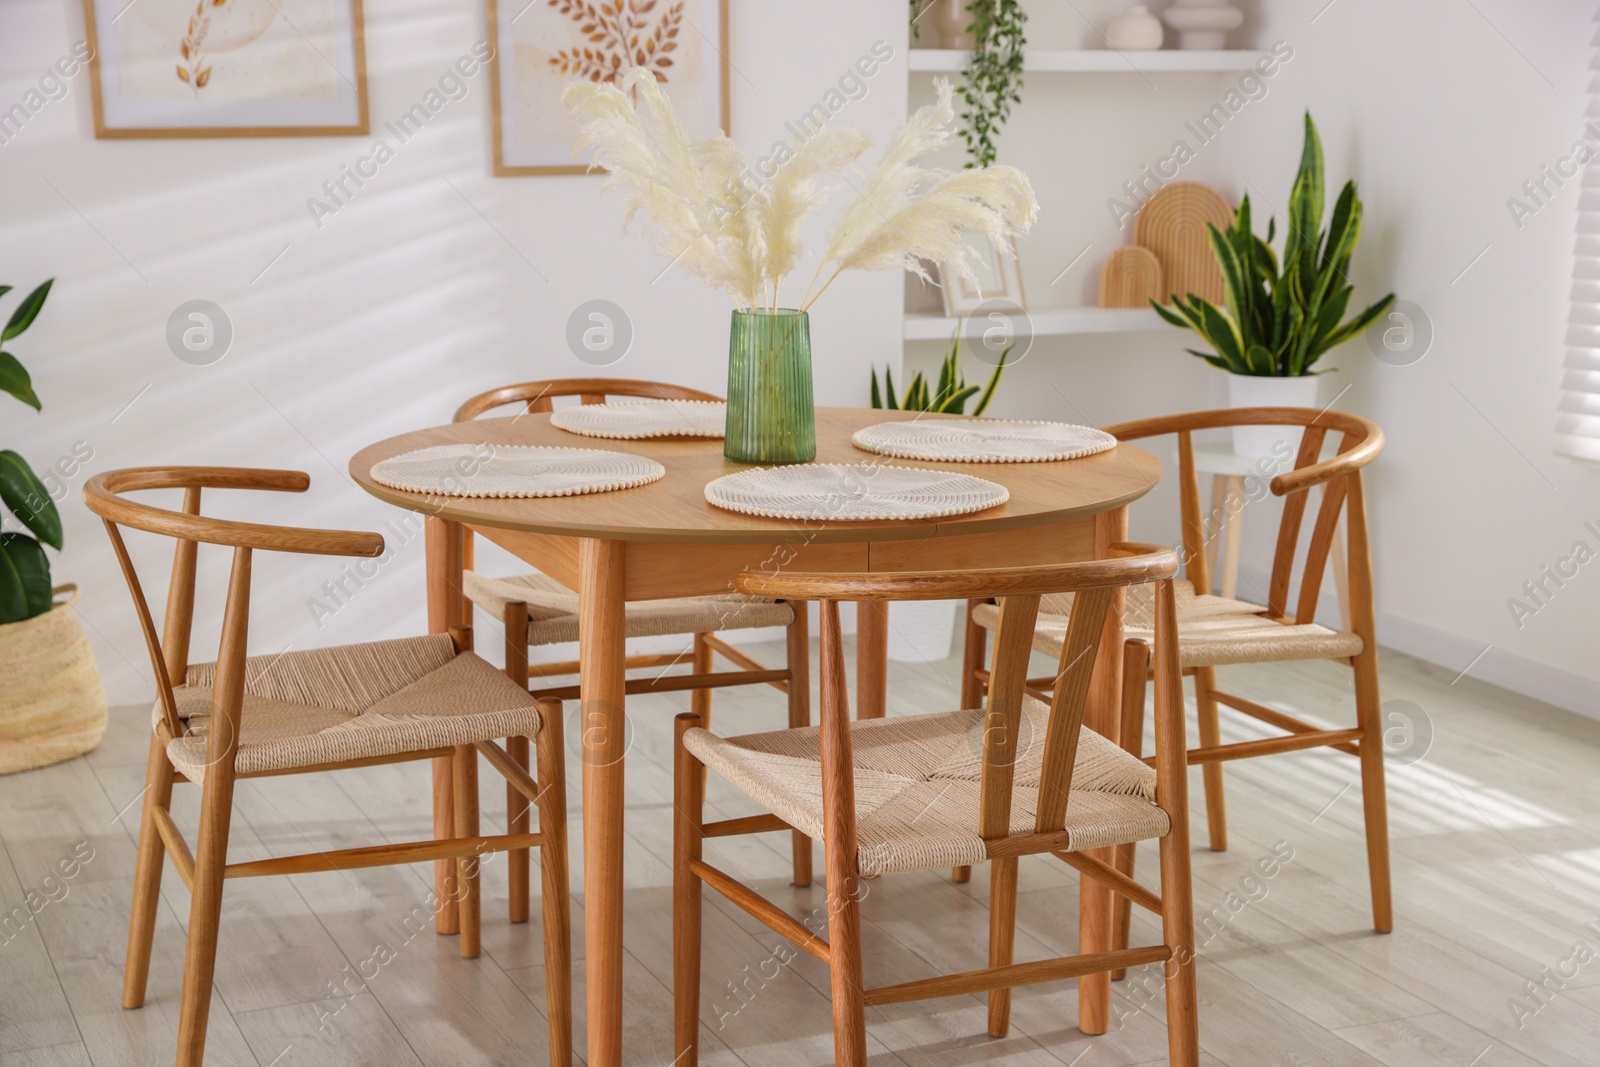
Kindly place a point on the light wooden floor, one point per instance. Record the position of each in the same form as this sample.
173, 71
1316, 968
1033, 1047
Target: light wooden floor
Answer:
1497, 867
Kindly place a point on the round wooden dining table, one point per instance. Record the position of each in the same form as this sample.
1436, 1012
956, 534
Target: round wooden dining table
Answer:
665, 540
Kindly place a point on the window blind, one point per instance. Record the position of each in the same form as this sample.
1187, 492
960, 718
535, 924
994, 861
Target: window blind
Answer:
1578, 427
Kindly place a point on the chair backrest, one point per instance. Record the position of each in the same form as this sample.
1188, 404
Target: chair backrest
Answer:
1360, 444
169, 650
537, 396
1096, 586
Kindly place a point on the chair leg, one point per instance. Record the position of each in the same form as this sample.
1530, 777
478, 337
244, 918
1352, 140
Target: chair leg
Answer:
515, 619
1374, 798
1135, 680
1002, 937
556, 899
1205, 681
845, 971
799, 663
688, 791
147, 877
700, 699
1177, 919
518, 821
205, 912
974, 653
466, 825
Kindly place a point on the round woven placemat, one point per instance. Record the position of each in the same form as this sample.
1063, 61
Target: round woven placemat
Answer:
644, 418
982, 440
853, 492
484, 470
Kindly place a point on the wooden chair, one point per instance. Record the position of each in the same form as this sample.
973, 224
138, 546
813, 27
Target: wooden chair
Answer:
537, 610
919, 792
1214, 631
318, 710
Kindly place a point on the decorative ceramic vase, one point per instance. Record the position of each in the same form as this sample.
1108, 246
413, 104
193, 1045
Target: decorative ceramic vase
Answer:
1257, 391
1202, 25
952, 22
1135, 30
771, 418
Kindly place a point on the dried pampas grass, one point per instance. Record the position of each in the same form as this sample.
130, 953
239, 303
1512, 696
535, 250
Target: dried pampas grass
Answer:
700, 210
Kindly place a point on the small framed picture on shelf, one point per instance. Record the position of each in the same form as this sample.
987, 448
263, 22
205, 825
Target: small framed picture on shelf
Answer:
999, 277
542, 46
209, 68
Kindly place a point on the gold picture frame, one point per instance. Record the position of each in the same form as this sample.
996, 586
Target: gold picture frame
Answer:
118, 116
503, 74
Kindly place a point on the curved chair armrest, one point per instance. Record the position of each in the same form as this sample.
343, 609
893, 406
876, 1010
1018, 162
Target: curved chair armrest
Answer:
1368, 438
103, 495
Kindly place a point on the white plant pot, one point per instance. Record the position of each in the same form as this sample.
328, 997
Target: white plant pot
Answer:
920, 631
1253, 391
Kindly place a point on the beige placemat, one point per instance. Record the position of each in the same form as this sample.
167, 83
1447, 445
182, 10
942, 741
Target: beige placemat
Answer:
982, 440
485, 470
853, 492
632, 420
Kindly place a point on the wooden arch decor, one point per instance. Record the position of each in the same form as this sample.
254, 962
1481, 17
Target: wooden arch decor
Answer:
1172, 224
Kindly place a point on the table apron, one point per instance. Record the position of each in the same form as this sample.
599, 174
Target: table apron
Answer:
659, 569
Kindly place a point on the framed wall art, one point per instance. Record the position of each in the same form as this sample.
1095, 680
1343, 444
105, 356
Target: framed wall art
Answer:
541, 46
999, 277
227, 68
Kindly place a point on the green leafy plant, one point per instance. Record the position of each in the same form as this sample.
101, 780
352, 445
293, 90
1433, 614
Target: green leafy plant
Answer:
24, 568
952, 393
994, 75
1278, 324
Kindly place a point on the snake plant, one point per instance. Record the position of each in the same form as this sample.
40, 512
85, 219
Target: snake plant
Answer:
953, 392
24, 568
1279, 323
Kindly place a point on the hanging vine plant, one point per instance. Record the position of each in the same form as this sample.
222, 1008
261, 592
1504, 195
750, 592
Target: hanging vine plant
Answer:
993, 78
993, 75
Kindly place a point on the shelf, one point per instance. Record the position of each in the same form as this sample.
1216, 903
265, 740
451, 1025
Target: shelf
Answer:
1103, 61
1047, 322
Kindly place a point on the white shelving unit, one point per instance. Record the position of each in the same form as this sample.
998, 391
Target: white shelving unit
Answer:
1047, 322
1059, 322
1106, 61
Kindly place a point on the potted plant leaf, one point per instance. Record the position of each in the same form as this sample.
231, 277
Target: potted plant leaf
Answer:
920, 631
52, 705
952, 393
1280, 319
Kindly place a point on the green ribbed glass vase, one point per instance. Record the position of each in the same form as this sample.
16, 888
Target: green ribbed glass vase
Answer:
771, 418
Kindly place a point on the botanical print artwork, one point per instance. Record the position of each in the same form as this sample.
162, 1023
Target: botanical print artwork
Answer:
618, 36
543, 46
229, 49
201, 68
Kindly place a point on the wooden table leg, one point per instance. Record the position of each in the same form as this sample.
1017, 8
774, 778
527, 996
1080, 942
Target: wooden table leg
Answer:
872, 659
445, 548
1102, 715
601, 655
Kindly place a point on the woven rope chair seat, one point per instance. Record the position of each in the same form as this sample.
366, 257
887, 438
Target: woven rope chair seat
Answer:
553, 609
384, 698
917, 786
1213, 631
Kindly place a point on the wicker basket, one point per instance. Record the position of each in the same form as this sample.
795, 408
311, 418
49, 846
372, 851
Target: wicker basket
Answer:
52, 706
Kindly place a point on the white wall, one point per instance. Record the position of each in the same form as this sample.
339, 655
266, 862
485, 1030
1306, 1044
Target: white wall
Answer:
1440, 112
408, 300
